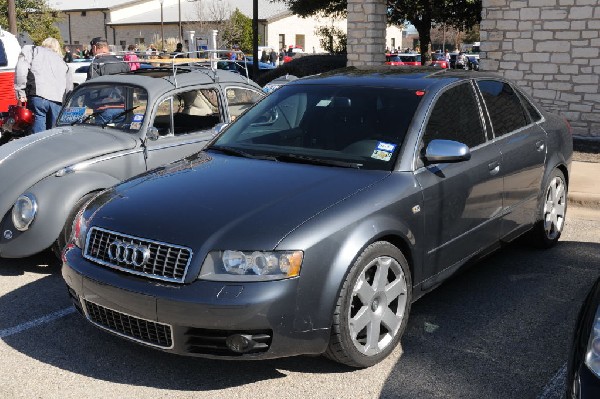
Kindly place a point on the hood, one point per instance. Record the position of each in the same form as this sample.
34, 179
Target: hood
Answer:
27, 160
214, 201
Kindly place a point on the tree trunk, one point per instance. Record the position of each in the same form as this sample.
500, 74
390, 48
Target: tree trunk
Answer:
424, 28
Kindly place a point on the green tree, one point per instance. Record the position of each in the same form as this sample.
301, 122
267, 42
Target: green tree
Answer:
332, 39
423, 14
238, 32
33, 17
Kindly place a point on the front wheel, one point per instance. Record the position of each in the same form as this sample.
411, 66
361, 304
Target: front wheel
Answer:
372, 308
553, 210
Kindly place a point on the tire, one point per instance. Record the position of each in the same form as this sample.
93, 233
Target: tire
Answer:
379, 305
553, 210
65, 234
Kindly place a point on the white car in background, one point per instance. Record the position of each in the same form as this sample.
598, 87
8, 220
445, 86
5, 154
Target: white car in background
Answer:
79, 69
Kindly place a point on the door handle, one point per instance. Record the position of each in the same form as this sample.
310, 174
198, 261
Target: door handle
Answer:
494, 167
540, 145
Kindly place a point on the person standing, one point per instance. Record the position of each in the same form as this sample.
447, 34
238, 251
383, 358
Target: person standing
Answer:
42, 80
131, 58
273, 57
68, 56
104, 63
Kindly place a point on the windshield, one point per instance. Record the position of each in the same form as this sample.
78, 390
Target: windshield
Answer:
116, 106
361, 127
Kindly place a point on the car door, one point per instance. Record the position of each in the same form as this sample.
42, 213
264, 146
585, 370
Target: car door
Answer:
522, 143
185, 122
462, 201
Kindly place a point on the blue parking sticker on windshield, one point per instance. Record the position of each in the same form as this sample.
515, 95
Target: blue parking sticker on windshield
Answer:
72, 114
138, 117
384, 151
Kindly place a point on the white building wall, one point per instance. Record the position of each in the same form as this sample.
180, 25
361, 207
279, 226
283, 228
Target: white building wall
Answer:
293, 25
83, 27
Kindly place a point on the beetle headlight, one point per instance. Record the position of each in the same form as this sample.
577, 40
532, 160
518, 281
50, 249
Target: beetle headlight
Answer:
592, 355
251, 265
24, 211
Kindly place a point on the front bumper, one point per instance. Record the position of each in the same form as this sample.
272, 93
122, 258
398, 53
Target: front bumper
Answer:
193, 319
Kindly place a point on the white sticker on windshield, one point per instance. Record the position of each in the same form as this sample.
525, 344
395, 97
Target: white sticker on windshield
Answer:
381, 155
72, 114
135, 125
324, 103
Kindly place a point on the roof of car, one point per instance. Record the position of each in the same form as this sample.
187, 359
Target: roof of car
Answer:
412, 78
162, 79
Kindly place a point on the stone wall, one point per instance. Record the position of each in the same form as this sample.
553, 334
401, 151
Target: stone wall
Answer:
367, 23
551, 48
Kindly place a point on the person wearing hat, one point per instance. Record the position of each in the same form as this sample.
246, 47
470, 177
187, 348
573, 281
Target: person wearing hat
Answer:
104, 63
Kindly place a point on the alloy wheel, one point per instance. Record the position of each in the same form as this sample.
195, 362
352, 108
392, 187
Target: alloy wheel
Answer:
555, 208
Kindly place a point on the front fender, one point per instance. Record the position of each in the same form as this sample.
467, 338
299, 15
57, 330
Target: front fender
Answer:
56, 197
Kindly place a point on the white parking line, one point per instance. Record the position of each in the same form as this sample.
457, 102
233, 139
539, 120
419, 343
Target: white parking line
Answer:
556, 387
34, 323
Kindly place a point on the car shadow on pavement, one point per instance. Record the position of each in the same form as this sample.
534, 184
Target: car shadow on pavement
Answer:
72, 344
44, 262
501, 329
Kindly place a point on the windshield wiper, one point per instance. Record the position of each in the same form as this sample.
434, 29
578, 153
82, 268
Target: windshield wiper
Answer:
119, 115
239, 153
316, 161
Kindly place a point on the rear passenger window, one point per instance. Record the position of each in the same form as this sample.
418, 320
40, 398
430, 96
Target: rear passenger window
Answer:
455, 116
534, 115
504, 106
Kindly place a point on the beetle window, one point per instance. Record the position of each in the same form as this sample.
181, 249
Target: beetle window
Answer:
504, 107
455, 116
188, 111
239, 100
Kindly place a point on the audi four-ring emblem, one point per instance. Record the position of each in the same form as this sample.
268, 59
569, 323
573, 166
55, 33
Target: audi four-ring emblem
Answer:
130, 254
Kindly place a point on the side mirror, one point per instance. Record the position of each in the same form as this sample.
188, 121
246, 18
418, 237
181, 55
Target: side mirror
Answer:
152, 133
219, 127
446, 151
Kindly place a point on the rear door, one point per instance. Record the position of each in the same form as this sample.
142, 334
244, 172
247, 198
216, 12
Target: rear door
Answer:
522, 143
462, 201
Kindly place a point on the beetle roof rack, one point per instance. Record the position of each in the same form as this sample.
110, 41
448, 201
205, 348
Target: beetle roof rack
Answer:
163, 65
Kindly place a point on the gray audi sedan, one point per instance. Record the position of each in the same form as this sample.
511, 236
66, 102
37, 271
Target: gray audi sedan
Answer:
313, 222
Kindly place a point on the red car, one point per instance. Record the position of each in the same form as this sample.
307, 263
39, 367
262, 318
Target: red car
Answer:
410, 59
393, 59
439, 60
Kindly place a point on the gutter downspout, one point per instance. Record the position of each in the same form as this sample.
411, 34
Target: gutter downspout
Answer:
105, 26
70, 34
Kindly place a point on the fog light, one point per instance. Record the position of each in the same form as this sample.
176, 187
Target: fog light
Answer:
239, 343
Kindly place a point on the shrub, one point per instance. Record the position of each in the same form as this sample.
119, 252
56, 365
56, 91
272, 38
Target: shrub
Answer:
305, 66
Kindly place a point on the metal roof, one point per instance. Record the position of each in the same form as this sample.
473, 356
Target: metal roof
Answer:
191, 11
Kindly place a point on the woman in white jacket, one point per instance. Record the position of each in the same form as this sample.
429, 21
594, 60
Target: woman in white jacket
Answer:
42, 79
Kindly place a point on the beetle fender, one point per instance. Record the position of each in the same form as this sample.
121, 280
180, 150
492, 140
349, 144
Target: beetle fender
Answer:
56, 196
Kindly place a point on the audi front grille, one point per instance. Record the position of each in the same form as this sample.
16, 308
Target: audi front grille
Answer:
152, 259
140, 330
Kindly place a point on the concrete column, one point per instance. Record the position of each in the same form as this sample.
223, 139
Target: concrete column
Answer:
367, 22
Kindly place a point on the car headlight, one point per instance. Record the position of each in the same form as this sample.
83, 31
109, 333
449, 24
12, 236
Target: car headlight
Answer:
592, 355
251, 265
24, 211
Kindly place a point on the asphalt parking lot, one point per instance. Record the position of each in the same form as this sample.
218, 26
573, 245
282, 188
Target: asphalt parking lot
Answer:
500, 329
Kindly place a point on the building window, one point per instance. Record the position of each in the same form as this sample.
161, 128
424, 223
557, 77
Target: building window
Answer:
300, 41
393, 42
123, 44
83, 13
281, 41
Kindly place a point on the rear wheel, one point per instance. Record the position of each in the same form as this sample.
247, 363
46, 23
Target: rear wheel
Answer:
372, 309
553, 210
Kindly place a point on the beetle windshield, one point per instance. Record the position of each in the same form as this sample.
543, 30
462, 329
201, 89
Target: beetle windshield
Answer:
352, 126
116, 106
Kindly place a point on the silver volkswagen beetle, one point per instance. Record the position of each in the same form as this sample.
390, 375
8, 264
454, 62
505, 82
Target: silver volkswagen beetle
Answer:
110, 129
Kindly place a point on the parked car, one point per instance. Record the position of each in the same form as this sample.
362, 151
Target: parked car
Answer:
311, 223
110, 129
583, 371
278, 82
410, 59
393, 59
240, 67
439, 60
458, 61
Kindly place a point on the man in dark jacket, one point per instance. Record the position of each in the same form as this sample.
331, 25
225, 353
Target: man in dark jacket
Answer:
104, 63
